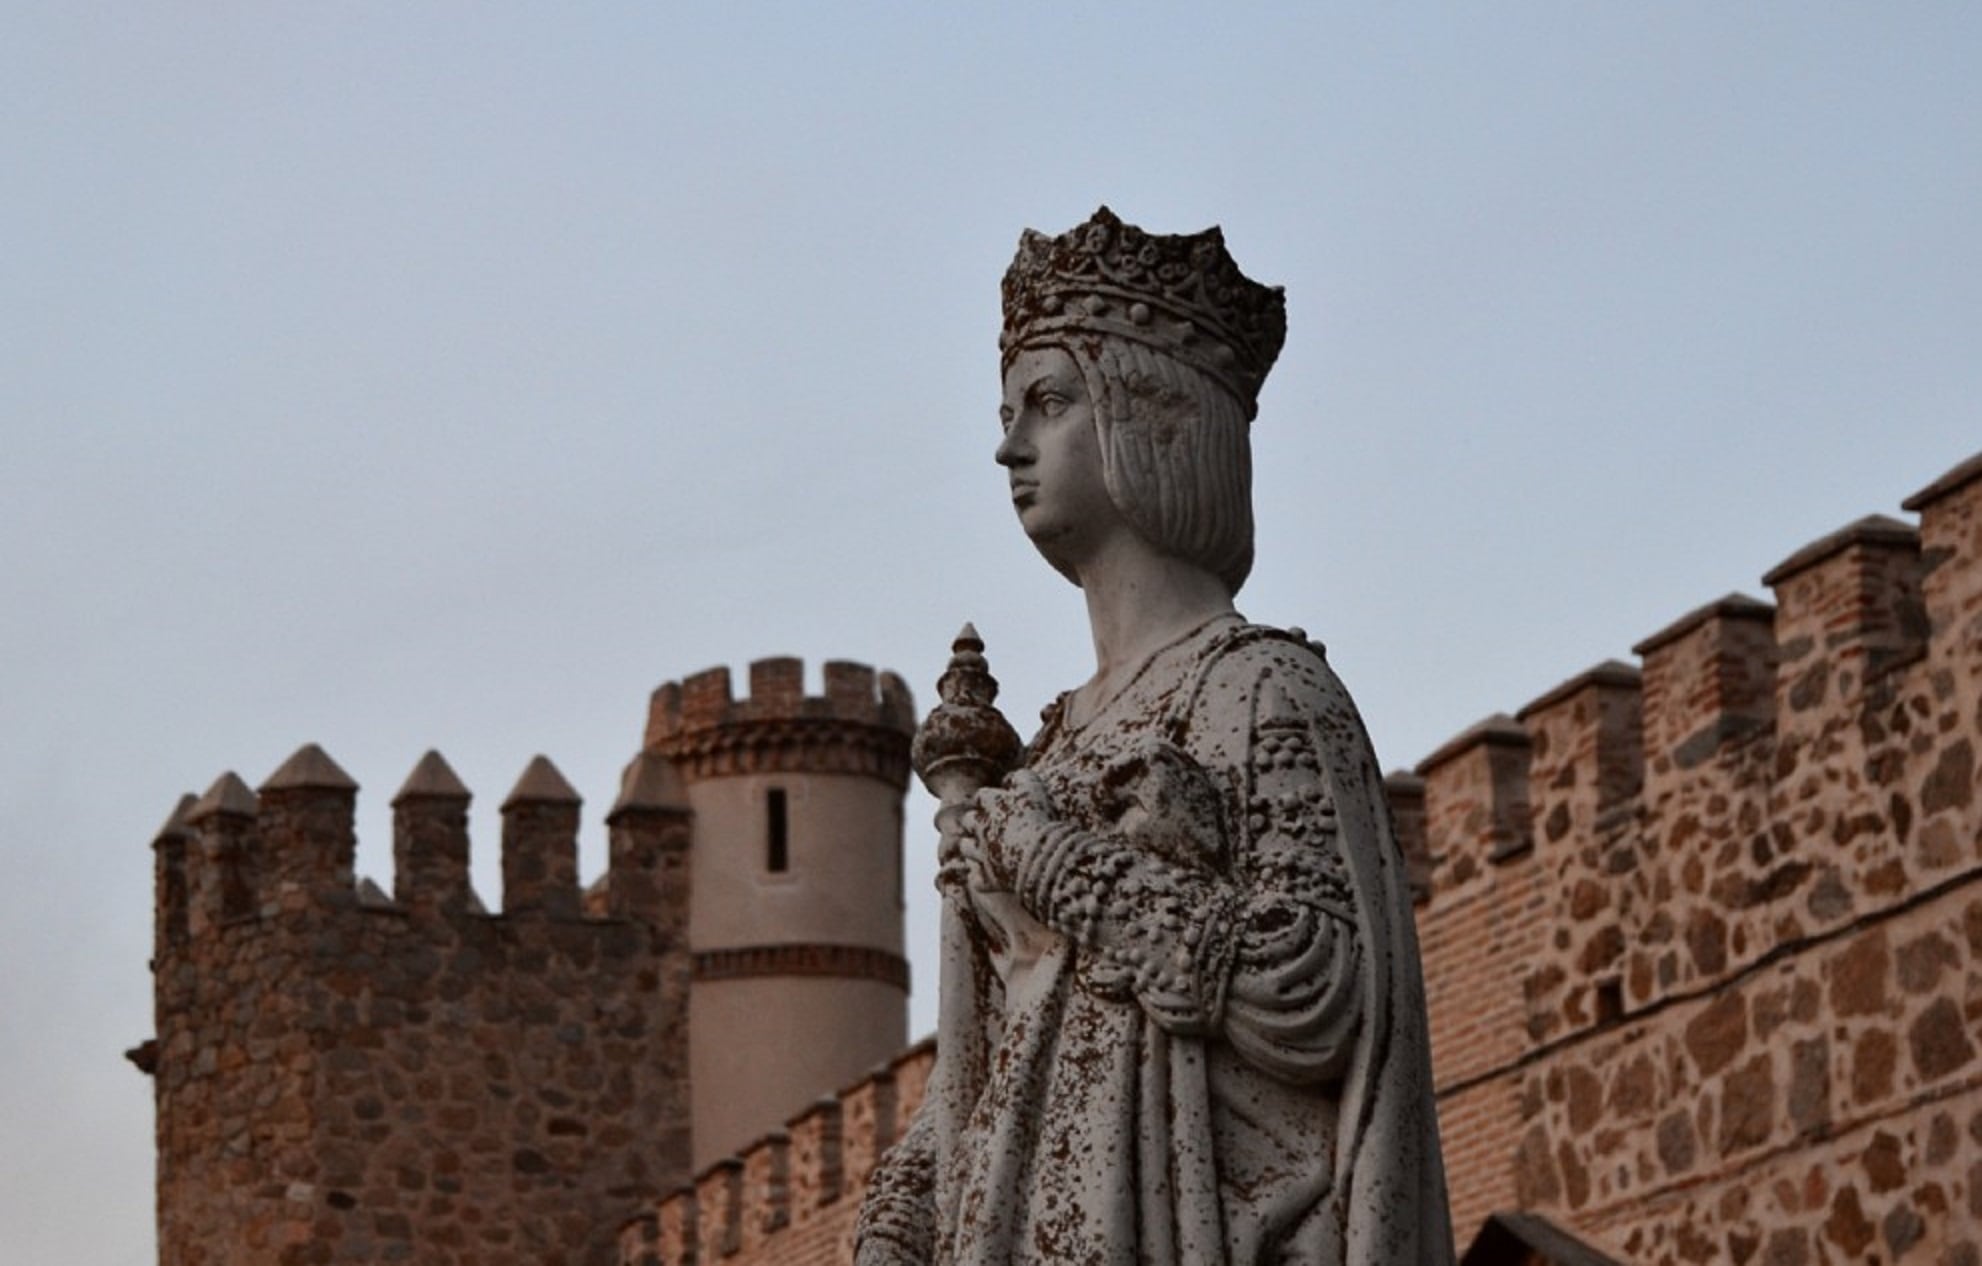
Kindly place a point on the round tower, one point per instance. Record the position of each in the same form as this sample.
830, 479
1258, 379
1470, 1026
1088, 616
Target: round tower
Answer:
795, 908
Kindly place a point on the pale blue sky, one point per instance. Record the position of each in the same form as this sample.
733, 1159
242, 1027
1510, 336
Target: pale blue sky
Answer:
397, 376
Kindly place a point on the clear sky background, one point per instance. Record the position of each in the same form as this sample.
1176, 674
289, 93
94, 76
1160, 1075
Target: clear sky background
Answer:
447, 375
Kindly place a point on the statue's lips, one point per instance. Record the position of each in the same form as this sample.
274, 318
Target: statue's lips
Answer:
1023, 492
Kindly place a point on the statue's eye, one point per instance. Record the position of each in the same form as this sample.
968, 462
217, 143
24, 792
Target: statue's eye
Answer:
1052, 404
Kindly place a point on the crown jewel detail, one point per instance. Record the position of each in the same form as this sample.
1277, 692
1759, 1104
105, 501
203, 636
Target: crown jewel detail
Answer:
1181, 294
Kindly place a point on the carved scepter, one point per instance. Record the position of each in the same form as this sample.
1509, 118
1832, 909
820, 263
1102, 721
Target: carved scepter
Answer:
964, 745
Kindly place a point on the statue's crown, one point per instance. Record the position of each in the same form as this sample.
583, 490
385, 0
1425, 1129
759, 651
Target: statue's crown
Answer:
1180, 294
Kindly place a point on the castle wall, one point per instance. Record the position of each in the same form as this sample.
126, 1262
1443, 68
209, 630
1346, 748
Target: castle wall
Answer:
345, 1078
1704, 945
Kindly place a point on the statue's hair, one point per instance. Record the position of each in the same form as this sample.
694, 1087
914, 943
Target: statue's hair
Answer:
1176, 453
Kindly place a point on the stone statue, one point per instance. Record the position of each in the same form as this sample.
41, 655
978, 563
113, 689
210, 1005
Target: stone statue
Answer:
1182, 1016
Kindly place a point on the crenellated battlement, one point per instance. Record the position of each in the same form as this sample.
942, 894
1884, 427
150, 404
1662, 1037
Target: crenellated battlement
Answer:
237, 854
790, 1195
1771, 782
860, 725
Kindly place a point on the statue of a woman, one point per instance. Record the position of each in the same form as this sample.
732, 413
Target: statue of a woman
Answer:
1182, 1019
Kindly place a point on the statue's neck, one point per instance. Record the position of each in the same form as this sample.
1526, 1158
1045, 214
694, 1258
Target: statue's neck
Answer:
1139, 602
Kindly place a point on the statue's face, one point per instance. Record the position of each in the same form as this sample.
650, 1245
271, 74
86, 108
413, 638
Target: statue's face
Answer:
1054, 457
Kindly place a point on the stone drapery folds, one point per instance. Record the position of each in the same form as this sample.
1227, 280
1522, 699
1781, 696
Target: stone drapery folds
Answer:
1214, 1050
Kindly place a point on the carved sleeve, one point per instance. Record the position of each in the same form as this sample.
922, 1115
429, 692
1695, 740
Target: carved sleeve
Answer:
1294, 1000
897, 1221
1263, 951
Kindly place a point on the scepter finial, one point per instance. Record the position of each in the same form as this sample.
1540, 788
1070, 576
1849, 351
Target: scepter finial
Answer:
965, 739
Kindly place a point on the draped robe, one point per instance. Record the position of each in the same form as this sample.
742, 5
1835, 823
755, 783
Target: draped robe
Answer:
1211, 1046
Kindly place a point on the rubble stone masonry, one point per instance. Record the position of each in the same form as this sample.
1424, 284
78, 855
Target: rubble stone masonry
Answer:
1703, 942
347, 1078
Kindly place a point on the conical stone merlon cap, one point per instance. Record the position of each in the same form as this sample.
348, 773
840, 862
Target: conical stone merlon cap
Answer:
309, 768
432, 779
541, 784
227, 795
174, 826
651, 782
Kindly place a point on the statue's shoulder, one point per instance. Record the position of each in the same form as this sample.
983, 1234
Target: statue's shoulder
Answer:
1246, 651
1247, 658
1262, 678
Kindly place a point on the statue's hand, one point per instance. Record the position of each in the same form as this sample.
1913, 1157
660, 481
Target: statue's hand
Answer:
998, 821
1010, 822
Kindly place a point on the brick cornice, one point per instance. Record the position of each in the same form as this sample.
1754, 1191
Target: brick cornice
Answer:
790, 745
851, 962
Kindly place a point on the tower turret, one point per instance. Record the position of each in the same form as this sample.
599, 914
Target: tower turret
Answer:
360, 1080
796, 907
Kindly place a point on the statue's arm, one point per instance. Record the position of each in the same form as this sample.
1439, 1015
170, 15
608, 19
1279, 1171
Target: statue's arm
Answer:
1294, 999
1272, 965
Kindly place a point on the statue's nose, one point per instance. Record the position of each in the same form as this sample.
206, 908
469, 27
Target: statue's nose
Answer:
1011, 450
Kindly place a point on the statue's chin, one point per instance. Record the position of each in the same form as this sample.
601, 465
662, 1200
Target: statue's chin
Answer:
1053, 546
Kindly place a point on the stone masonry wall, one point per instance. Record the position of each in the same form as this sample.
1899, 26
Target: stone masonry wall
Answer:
343, 1077
1703, 942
